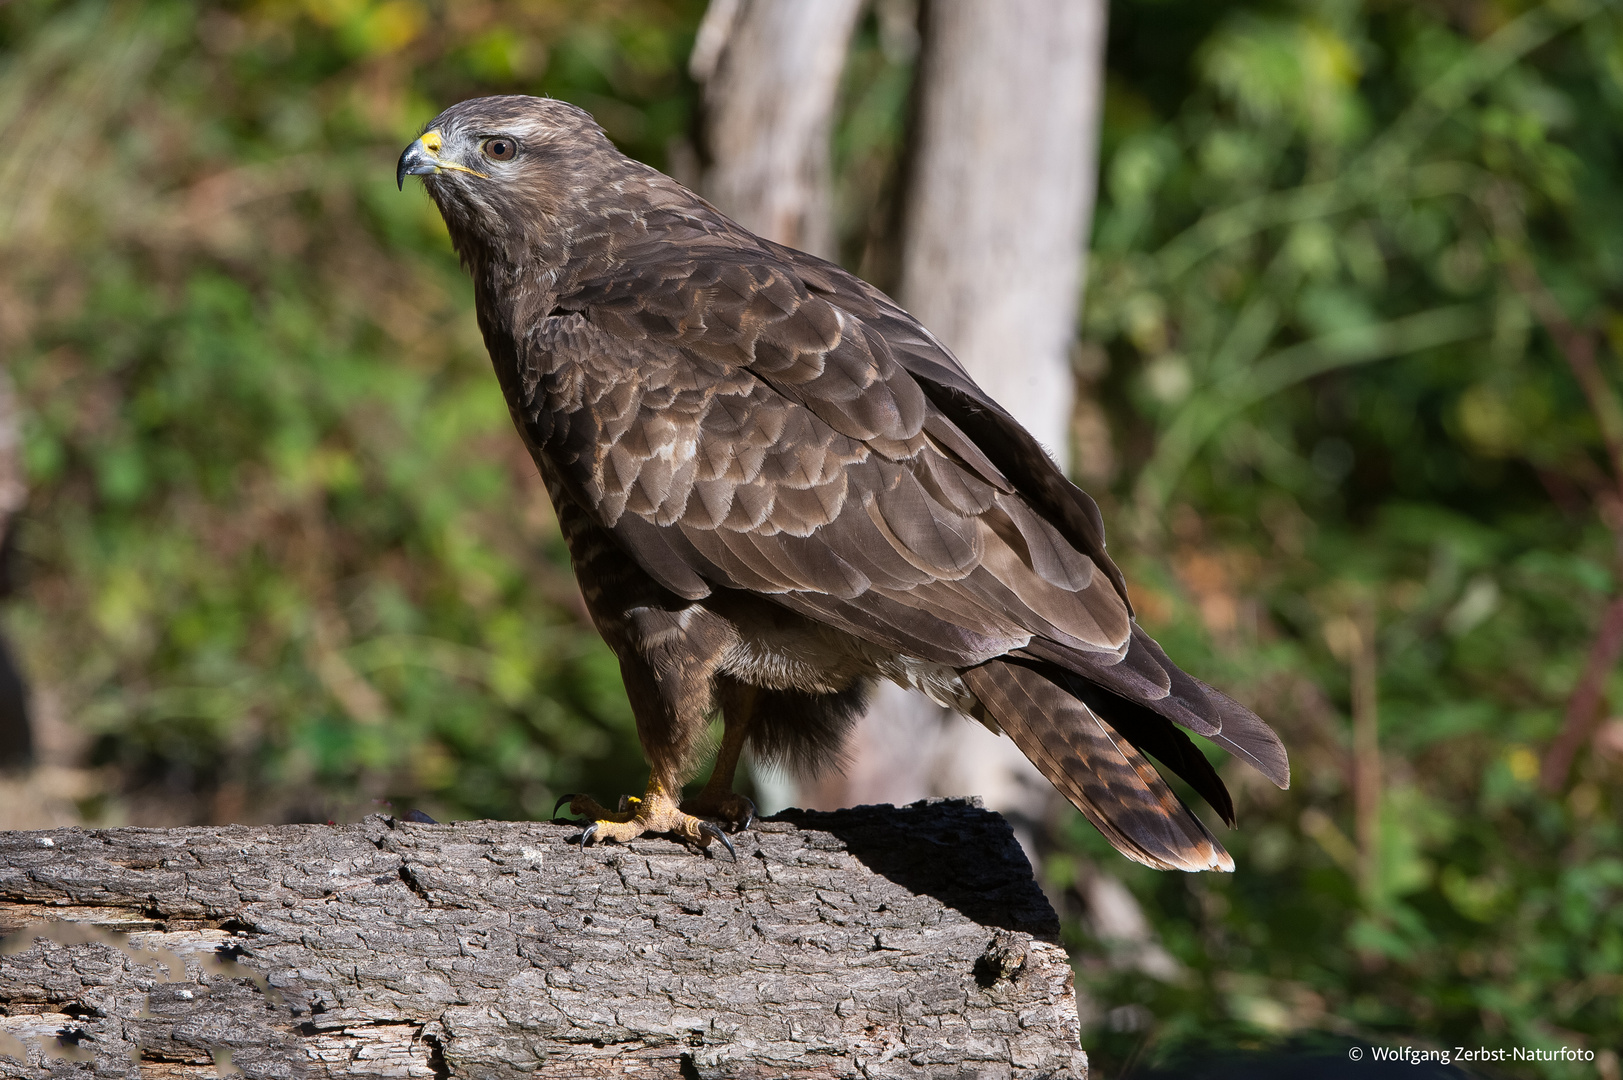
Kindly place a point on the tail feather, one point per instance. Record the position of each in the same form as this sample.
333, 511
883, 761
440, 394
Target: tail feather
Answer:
1145, 678
1096, 767
1154, 735
1244, 734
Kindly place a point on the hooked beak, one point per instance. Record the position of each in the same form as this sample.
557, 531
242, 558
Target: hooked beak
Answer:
422, 158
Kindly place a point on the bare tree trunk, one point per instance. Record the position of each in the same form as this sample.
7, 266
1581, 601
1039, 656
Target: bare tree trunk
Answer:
771, 73
996, 223
1001, 194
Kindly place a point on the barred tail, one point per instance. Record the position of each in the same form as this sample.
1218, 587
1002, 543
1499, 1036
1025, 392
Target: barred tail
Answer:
1099, 768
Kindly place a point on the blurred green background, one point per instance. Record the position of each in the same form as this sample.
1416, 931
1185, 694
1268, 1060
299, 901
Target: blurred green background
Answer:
284, 559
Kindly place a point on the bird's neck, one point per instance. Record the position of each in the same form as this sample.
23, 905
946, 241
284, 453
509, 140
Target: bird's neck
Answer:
521, 277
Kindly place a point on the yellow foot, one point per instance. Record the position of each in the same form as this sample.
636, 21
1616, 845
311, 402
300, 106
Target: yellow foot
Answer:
728, 807
653, 813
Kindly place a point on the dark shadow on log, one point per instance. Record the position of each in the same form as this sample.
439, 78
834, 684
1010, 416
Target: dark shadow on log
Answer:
960, 856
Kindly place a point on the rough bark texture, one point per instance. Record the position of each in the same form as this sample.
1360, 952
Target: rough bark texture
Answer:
771, 74
996, 219
875, 942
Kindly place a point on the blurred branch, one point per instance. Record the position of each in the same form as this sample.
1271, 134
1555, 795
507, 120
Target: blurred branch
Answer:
1583, 707
359, 699
1370, 176
1351, 638
1241, 221
1476, 70
1577, 346
1364, 180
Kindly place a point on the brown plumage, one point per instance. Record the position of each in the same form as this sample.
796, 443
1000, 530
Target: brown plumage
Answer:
777, 486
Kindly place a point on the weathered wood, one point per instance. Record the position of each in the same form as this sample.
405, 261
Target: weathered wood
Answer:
874, 942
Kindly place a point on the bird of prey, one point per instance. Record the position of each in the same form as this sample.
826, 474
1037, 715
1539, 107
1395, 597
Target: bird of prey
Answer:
777, 487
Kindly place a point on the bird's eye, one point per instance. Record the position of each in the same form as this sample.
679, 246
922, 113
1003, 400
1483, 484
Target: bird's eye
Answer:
499, 149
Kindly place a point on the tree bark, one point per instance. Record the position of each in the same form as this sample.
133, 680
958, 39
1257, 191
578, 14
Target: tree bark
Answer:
771, 74
878, 942
998, 208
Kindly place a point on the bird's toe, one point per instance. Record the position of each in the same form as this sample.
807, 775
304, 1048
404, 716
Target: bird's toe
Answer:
658, 814
730, 809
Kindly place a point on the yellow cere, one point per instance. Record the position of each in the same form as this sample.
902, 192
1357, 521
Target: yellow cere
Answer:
433, 142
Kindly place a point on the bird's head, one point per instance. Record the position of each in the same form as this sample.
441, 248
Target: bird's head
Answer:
506, 171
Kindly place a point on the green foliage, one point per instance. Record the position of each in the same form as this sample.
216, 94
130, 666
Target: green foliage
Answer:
1339, 415
285, 553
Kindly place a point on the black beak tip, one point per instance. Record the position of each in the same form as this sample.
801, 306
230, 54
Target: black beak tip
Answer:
416, 161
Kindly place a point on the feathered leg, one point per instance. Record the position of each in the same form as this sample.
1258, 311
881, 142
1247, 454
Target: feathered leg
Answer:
739, 709
668, 659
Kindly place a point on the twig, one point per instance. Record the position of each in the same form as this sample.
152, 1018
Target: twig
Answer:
1583, 707
1578, 347
1366, 752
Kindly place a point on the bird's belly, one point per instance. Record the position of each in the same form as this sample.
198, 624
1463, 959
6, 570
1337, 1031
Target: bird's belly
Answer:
798, 654
938, 682
785, 656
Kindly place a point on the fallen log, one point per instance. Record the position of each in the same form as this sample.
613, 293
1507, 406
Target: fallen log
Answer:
875, 942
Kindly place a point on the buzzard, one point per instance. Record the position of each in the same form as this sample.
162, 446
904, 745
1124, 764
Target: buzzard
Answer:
777, 487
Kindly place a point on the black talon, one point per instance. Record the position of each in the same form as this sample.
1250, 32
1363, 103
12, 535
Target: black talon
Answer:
561, 800
591, 831
709, 829
749, 815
